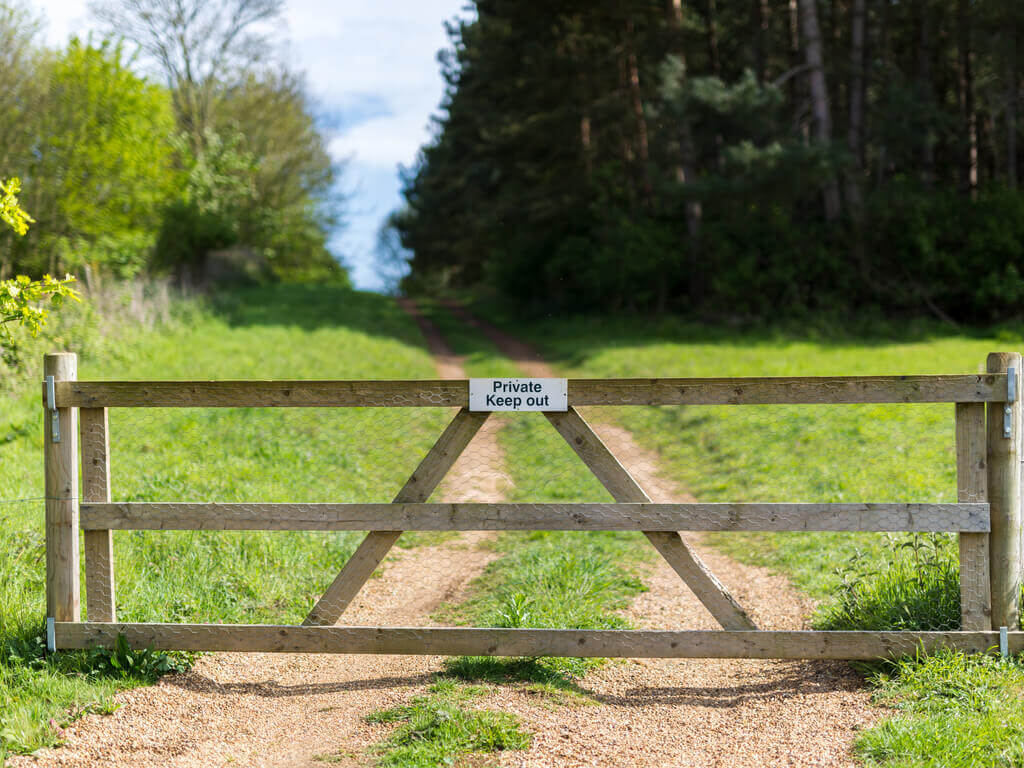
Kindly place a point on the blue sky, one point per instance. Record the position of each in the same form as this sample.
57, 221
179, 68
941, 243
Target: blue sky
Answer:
371, 65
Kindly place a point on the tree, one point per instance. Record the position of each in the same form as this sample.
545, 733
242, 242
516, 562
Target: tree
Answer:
105, 153
819, 95
200, 46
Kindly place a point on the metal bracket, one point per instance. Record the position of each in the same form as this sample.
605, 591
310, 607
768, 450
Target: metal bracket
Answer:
51, 635
1011, 396
1004, 642
51, 403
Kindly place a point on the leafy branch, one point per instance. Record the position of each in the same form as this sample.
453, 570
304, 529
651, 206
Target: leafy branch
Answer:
21, 297
11, 211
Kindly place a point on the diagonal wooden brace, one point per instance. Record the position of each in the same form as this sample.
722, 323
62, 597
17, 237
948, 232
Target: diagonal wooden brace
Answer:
623, 488
364, 561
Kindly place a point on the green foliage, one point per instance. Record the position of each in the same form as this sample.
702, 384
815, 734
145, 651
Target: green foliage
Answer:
11, 212
20, 299
916, 588
627, 160
218, 191
122, 186
438, 729
107, 161
955, 711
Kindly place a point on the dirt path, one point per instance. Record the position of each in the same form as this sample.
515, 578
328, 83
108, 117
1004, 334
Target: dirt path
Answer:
286, 709
695, 712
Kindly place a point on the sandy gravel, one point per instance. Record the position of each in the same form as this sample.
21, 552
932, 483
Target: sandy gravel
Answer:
284, 710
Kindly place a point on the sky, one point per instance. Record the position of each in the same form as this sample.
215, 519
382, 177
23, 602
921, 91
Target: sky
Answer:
371, 65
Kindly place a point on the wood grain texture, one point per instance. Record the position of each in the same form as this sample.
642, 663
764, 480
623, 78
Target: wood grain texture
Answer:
503, 516
623, 487
971, 388
372, 550
60, 460
99, 544
714, 644
1004, 498
972, 487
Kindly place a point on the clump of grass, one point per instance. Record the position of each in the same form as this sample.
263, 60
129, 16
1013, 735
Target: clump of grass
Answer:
551, 579
439, 728
956, 710
916, 588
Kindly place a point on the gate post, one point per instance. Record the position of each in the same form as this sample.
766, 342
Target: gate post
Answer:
60, 456
1004, 496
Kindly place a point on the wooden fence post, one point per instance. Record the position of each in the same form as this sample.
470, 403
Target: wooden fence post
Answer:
99, 545
60, 456
972, 487
1004, 497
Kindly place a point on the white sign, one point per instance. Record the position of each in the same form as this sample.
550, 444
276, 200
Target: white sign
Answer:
518, 395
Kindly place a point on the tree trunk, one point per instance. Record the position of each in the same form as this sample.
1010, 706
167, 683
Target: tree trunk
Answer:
759, 21
1011, 104
969, 117
884, 56
686, 171
711, 25
819, 96
795, 90
925, 88
855, 135
637, 104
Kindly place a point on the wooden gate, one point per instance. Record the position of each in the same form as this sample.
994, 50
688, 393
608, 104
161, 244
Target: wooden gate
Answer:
986, 516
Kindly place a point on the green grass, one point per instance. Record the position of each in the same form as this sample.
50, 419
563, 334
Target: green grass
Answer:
234, 454
954, 711
440, 728
784, 453
916, 587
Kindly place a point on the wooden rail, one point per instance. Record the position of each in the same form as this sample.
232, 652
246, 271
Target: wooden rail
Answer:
396, 516
981, 388
714, 644
987, 515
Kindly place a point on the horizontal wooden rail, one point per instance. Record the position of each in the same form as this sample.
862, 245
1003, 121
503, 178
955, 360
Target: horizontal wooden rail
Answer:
525, 517
980, 388
718, 644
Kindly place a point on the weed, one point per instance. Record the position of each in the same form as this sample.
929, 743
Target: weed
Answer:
439, 728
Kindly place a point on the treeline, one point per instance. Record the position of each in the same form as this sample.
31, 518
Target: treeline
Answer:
737, 159
175, 134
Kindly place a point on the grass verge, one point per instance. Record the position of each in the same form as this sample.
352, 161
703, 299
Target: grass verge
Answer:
953, 711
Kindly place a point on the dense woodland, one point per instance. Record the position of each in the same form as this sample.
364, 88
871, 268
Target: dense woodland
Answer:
175, 133
729, 159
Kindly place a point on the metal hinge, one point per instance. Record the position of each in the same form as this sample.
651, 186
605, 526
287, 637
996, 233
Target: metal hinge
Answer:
1011, 396
51, 403
1004, 642
51, 635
